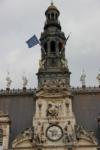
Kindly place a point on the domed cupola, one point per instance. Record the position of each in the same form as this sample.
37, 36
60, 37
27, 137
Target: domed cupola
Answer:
53, 64
52, 14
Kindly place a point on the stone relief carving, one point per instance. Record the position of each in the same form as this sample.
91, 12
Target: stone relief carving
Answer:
53, 111
64, 63
41, 63
79, 130
40, 107
68, 135
54, 84
27, 134
69, 138
39, 134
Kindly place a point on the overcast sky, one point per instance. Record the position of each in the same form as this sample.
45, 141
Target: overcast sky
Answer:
21, 19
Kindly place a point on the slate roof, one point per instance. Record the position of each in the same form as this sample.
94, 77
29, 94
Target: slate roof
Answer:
20, 105
86, 106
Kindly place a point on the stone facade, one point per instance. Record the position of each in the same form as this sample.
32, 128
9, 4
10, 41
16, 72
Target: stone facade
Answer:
54, 124
5, 127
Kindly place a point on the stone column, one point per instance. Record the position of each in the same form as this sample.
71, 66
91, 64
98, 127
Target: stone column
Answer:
5, 127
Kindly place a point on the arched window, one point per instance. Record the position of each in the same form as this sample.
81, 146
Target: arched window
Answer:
53, 47
52, 16
1, 137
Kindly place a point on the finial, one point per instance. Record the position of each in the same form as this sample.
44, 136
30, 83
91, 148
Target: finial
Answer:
8, 80
51, 2
82, 78
25, 81
98, 77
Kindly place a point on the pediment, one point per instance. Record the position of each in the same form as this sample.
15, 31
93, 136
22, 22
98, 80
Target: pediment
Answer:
23, 143
24, 140
84, 137
85, 140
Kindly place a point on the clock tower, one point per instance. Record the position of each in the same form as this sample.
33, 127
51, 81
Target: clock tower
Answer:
54, 121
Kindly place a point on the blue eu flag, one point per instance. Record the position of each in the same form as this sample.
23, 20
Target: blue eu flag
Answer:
32, 41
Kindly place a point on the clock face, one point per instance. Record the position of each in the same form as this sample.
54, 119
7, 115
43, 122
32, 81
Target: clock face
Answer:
54, 133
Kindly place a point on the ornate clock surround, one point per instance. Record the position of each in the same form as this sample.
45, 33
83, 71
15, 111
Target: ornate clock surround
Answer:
55, 129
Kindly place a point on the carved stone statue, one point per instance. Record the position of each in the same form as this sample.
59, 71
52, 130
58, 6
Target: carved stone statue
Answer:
98, 78
82, 78
39, 134
68, 131
25, 81
9, 81
41, 64
64, 63
69, 138
52, 111
62, 83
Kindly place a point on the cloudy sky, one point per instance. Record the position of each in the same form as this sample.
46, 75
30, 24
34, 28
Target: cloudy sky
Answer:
20, 19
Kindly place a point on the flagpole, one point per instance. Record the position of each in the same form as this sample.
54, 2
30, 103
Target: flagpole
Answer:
68, 36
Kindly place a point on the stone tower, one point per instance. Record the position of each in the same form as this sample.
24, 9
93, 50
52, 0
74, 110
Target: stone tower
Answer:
54, 121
